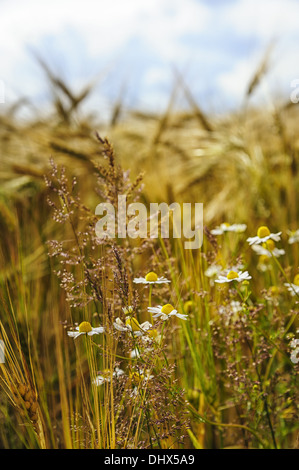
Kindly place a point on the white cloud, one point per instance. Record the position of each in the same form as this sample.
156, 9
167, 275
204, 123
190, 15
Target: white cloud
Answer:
104, 25
264, 19
265, 22
220, 45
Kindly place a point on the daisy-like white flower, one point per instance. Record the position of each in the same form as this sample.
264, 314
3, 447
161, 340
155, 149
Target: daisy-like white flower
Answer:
234, 276
293, 287
105, 376
213, 270
165, 312
225, 227
268, 249
138, 380
264, 263
152, 336
133, 326
85, 328
263, 235
151, 278
294, 237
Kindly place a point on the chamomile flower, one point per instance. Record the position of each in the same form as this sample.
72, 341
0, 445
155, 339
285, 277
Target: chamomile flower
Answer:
149, 339
234, 276
294, 237
225, 227
263, 235
293, 288
133, 326
85, 328
151, 278
137, 377
105, 376
212, 272
264, 263
165, 312
268, 249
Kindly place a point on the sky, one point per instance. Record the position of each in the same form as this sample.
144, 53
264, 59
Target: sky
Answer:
132, 47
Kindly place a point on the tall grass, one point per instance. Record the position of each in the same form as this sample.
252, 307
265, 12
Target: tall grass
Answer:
224, 377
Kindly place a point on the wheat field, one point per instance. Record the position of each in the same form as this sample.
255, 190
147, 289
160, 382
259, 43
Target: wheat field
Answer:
96, 360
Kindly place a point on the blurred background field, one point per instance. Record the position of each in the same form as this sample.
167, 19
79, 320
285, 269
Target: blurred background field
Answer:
243, 164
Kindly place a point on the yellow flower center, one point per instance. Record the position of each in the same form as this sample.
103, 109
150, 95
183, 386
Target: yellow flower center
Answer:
232, 275
167, 309
153, 333
188, 306
85, 327
263, 231
274, 290
296, 280
127, 310
263, 259
151, 277
106, 373
269, 245
226, 224
133, 323
136, 377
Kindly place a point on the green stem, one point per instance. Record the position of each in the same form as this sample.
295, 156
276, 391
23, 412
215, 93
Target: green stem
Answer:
150, 301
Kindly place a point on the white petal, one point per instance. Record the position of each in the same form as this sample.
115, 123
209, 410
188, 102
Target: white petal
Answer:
140, 280
146, 325
162, 280
74, 334
95, 331
154, 309
222, 279
120, 327
238, 228
99, 329
164, 317
252, 240
135, 353
99, 380
118, 372
181, 316
260, 250
278, 252
217, 231
275, 236
138, 333
173, 312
